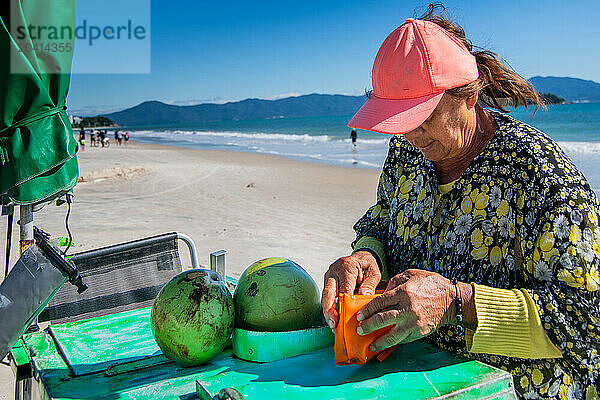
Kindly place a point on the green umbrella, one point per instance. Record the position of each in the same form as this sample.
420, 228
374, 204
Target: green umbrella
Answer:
37, 147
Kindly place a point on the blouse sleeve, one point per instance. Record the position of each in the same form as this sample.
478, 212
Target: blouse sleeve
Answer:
561, 265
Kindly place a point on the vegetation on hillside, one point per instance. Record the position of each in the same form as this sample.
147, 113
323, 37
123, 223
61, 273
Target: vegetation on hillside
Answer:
551, 98
92, 122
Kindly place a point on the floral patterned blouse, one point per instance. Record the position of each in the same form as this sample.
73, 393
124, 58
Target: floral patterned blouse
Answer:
520, 216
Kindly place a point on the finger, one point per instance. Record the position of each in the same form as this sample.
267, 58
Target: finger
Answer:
328, 302
347, 283
376, 305
370, 280
378, 321
397, 335
397, 280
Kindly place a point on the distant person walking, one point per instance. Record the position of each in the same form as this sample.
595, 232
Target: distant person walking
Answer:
118, 137
82, 138
93, 138
126, 136
353, 136
102, 136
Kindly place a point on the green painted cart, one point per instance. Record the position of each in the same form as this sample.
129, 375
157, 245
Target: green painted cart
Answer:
115, 357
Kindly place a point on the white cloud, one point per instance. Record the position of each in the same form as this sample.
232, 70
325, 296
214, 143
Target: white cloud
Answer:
357, 93
193, 102
283, 96
92, 111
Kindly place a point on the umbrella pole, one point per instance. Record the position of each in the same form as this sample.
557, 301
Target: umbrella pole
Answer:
26, 227
8, 243
25, 241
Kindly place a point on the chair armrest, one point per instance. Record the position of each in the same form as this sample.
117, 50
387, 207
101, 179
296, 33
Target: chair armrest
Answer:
192, 248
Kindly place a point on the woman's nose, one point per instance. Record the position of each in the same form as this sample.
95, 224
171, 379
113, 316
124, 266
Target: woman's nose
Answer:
414, 133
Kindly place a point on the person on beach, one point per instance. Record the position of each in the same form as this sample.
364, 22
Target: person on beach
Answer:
485, 229
118, 137
82, 138
93, 138
126, 137
353, 136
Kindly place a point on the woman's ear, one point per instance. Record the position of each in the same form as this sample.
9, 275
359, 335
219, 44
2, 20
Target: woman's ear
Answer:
471, 101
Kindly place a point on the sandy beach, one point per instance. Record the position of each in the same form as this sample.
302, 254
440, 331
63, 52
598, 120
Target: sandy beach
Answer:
254, 206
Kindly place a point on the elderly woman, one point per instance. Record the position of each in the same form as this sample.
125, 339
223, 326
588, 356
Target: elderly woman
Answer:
482, 222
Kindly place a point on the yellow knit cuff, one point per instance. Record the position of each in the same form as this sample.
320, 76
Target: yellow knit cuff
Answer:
469, 338
368, 242
508, 324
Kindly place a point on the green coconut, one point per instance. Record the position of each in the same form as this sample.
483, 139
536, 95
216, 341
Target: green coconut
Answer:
274, 295
192, 317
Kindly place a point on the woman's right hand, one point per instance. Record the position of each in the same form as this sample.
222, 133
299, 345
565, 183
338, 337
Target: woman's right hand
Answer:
358, 270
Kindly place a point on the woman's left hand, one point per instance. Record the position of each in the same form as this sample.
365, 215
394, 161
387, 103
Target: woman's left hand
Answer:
416, 302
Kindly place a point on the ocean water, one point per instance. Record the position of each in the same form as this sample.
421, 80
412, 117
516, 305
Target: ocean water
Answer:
576, 127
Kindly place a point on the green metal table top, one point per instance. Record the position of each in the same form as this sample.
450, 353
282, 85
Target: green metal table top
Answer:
109, 363
109, 341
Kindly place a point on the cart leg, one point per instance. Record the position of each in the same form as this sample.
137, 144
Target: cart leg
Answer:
26, 227
23, 389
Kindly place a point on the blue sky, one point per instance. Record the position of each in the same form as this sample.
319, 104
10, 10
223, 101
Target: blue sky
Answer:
217, 51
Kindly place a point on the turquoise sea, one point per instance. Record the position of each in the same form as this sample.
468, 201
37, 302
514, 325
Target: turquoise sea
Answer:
576, 127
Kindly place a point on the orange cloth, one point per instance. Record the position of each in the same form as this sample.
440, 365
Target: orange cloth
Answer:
350, 347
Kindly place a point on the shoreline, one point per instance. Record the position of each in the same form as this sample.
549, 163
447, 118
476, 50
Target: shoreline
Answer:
300, 158
368, 155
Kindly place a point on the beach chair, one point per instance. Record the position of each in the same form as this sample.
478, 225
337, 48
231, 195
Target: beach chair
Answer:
120, 277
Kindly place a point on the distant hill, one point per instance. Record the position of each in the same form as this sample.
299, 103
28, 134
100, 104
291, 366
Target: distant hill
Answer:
549, 98
571, 89
312, 105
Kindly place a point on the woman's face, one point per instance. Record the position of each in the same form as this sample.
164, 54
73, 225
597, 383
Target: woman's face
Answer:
448, 131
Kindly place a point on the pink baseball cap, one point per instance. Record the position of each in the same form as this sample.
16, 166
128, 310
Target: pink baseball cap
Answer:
414, 66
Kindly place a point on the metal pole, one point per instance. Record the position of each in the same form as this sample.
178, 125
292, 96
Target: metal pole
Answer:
217, 262
25, 227
26, 240
9, 227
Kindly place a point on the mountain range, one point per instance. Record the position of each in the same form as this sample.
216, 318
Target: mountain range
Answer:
311, 105
151, 113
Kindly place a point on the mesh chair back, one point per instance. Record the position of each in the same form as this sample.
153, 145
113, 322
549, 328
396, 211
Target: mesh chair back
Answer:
120, 277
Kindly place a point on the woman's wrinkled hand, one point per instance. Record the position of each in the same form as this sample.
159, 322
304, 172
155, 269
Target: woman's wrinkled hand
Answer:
359, 270
416, 302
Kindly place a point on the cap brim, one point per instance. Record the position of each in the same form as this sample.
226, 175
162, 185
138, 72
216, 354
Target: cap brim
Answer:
394, 116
